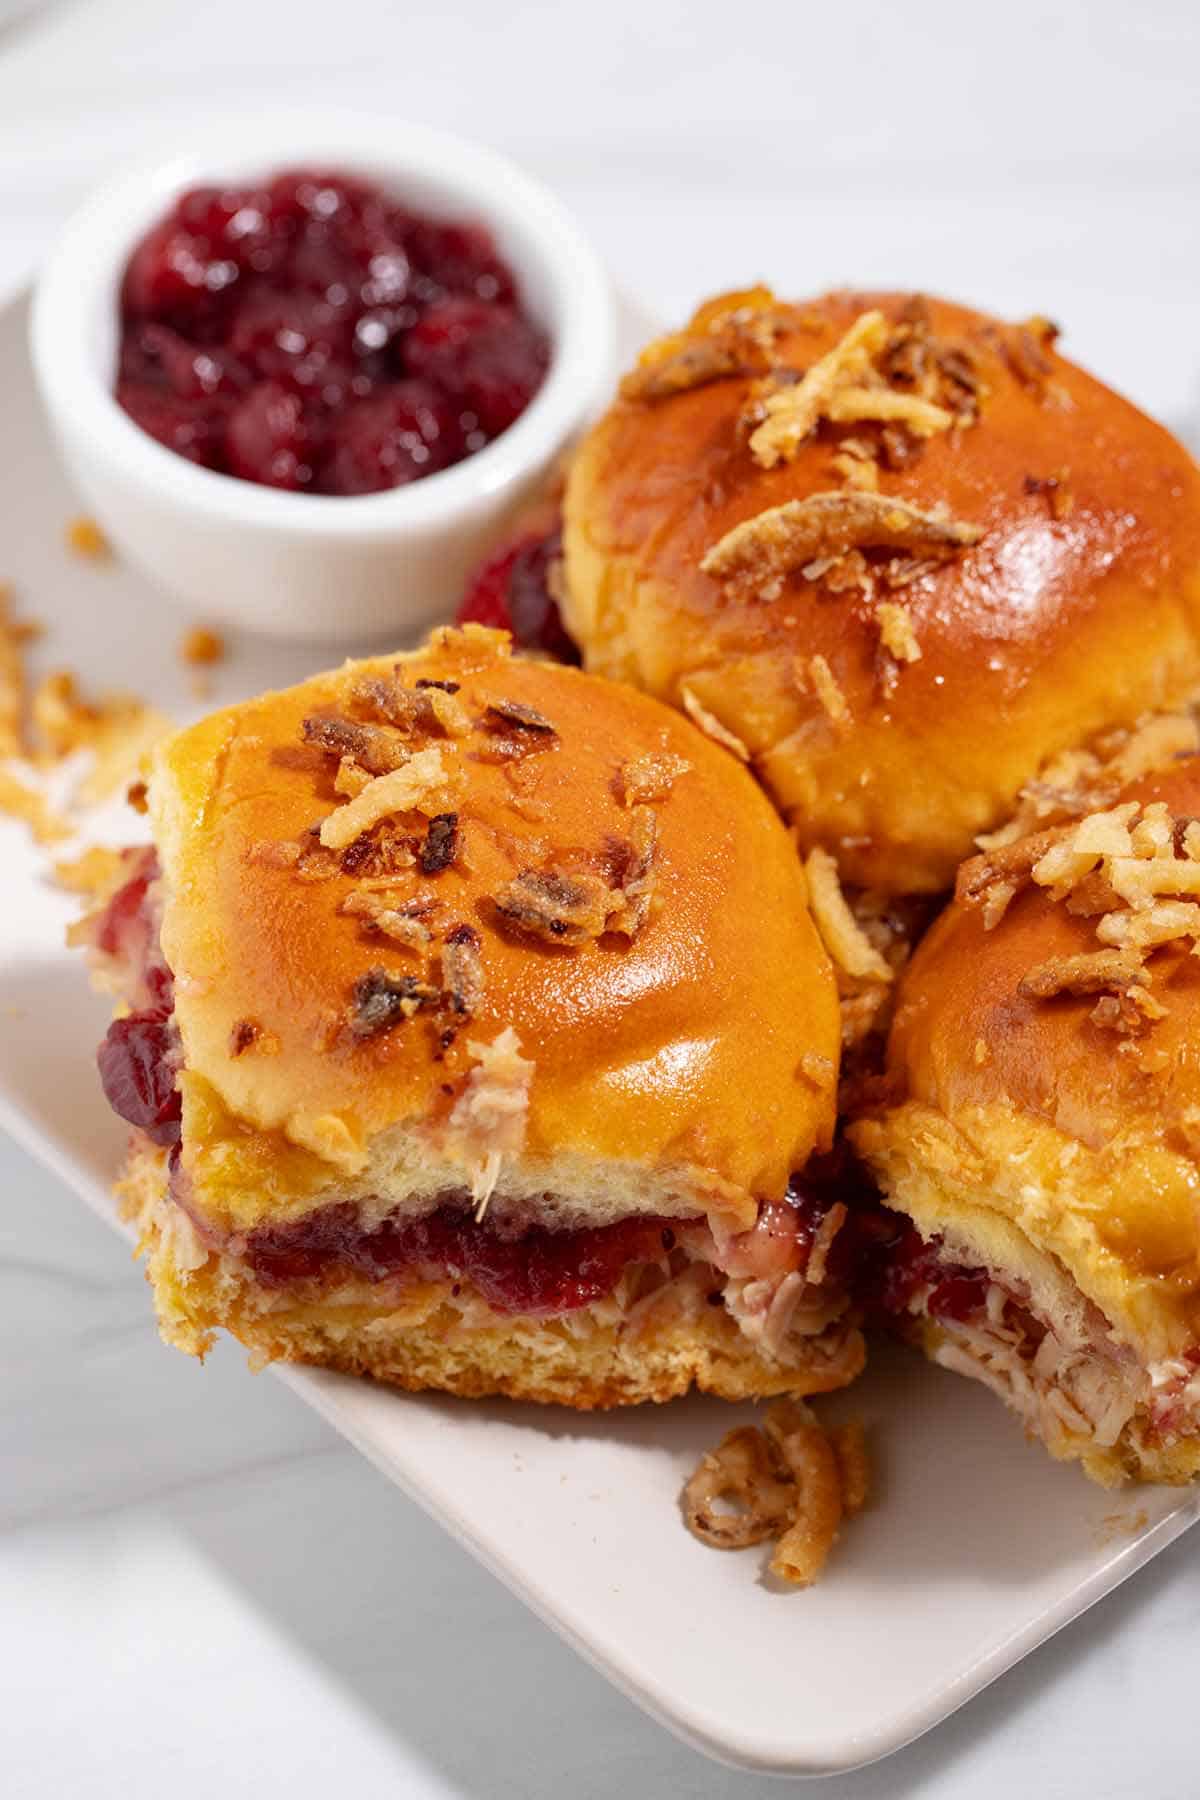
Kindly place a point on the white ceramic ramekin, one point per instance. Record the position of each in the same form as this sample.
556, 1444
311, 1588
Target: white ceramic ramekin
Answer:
306, 565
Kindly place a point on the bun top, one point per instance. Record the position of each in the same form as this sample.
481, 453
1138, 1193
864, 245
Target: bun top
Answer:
985, 557
373, 877
1072, 1023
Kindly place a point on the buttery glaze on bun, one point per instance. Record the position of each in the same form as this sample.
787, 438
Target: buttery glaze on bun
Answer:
1042, 1129
895, 675
479, 963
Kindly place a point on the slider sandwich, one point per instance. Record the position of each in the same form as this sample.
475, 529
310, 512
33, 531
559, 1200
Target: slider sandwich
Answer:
472, 1025
900, 556
1037, 1135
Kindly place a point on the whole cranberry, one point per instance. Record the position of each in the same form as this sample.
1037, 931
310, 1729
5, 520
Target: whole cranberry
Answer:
194, 429
297, 195
379, 333
486, 599
294, 338
234, 224
460, 259
511, 592
393, 437
268, 438
137, 1071
172, 275
159, 355
536, 617
489, 359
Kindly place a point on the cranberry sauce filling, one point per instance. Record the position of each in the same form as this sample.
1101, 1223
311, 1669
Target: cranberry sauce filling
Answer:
533, 1271
127, 931
879, 1255
316, 334
140, 1052
520, 1269
137, 1062
511, 592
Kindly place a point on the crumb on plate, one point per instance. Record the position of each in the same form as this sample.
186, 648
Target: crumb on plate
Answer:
85, 538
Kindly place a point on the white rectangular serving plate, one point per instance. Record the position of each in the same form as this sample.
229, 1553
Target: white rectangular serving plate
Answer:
976, 1547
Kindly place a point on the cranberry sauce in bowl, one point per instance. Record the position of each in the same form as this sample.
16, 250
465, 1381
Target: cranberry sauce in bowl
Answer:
307, 371
315, 333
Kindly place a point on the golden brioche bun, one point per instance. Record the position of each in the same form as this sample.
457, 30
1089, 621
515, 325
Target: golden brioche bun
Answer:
687, 1069
1077, 610
1035, 1140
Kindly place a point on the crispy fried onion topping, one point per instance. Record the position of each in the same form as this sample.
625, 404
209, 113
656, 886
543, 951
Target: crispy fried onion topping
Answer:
791, 413
1081, 781
429, 708
734, 336
636, 875
557, 907
382, 999
422, 784
850, 1447
375, 750
865, 946
856, 465
791, 1481
801, 1447
18, 800
117, 729
1088, 972
896, 632
900, 377
815, 673
96, 873
470, 646
922, 417
462, 969
404, 921
755, 557
848, 945
919, 363
1134, 869
441, 843
567, 907
649, 777
1027, 350
514, 715
710, 725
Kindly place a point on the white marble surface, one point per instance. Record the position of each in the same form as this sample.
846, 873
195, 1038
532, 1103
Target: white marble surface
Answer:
200, 1588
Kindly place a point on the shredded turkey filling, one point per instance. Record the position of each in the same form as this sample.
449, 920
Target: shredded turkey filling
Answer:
658, 1270
1075, 1387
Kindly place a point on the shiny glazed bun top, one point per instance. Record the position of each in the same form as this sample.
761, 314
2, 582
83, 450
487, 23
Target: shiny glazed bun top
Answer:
372, 878
900, 553
1062, 981
1044, 1061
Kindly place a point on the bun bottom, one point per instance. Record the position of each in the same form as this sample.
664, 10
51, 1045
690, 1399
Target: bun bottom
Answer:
532, 1360
1080, 1369
586, 1359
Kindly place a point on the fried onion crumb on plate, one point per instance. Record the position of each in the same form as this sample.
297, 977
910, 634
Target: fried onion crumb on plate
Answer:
792, 1483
